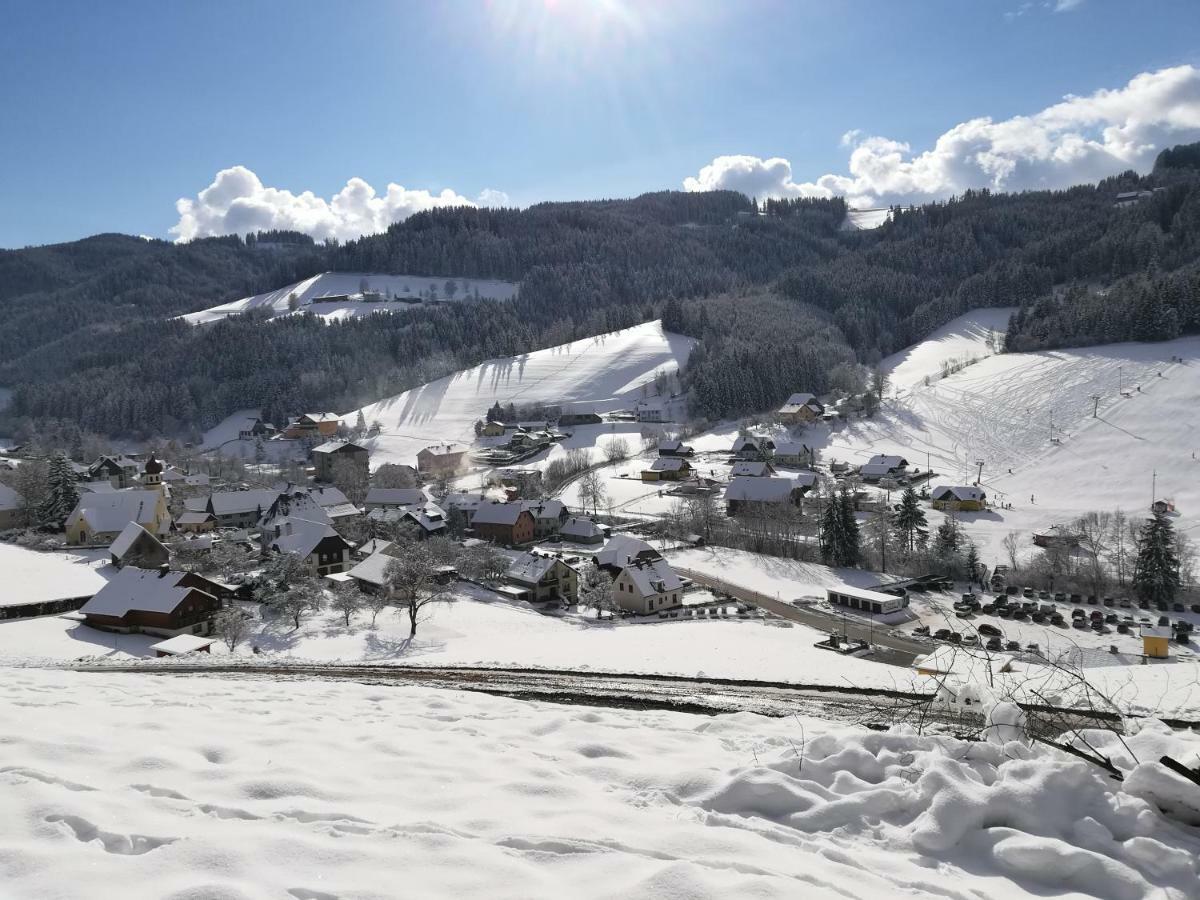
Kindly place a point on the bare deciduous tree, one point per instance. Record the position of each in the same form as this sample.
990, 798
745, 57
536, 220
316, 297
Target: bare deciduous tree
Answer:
1012, 547
412, 580
596, 591
231, 626
616, 450
302, 599
592, 492
347, 600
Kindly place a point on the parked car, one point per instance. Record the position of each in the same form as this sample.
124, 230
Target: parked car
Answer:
1076, 598
1111, 618
988, 608
1012, 590
942, 634
993, 643
1092, 600
1108, 601
1081, 624
1028, 592
1012, 645
1163, 621
921, 629
970, 639
1057, 619
1123, 628
955, 637
988, 630
1177, 607
1060, 597
1004, 612
1020, 615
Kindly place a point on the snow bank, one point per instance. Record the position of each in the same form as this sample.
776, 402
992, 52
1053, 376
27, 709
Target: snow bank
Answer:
133, 786
33, 577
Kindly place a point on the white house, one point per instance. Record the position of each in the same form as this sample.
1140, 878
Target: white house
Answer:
882, 466
645, 586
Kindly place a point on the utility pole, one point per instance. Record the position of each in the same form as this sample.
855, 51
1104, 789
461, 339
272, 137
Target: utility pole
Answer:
979, 477
1095, 406
1153, 487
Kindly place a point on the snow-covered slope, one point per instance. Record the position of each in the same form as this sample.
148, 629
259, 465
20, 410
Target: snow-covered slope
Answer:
592, 375
1029, 418
402, 287
139, 787
865, 219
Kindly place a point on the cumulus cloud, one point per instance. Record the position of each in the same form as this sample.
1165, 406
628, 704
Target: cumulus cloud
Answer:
1079, 140
238, 202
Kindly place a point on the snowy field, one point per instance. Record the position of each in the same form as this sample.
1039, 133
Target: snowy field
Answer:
591, 375
865, 219
1000, 409
403, 287
144, 788
33, 577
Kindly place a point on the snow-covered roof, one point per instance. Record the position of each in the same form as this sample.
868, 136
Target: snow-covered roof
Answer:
336, 446
620, 549
862, 594
790, 448
747, 489
672, 446
396, 496
1156, 631
463, 501
443, 450
182, 643
322, 417
232, 503
328, 496
125, 540
193, 517
195, 504
429, 516
797, 401
9, 499
957, 492
496, 513
653, 577
750, 468
106, 512
529, 568
966, 662
545, 509
299, 536
889, 462
668, 464
580, 527
374, 545
373, 569
141, 589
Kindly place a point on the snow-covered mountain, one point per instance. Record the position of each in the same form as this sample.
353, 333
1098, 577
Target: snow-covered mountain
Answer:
395, 291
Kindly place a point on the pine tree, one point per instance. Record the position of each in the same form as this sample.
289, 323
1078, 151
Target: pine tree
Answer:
948, 538
839, 531
910, 520
63, 496
973, 563
851, 547
1156, 571
360, 425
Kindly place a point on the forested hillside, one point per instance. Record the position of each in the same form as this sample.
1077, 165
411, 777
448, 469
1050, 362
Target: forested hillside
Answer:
778, 294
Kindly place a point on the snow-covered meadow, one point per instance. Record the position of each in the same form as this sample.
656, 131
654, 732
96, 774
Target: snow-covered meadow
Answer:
138, 786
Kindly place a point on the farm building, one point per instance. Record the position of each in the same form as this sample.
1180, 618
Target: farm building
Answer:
313, 425
135, 546
154, 602
674, 447
882, 466
745, 490
509, 524
667, 468
394, 498
582, 530
751, 468
792, 453
751, 447
545, 577
801, 409
333, 453
442, 459
960, 498
181, 644
875, 602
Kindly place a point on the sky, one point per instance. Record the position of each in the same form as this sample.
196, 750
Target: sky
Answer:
177, 120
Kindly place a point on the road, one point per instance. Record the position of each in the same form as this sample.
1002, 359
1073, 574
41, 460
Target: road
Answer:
894, 647
641, 691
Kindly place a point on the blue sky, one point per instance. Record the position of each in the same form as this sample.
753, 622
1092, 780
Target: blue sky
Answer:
114, 111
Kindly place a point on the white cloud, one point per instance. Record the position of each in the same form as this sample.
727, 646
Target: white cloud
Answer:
237, 202
1079, 140
1067, 5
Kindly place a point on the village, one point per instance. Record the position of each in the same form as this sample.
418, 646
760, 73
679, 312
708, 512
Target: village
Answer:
233, 551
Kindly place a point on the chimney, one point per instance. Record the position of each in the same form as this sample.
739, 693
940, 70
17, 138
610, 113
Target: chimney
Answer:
163, 570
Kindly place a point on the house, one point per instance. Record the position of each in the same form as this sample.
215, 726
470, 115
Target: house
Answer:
620, 551
463, 503
548, 516
394, 498
644, 586
255, 427
135, 546
294, 502
12, 508
800, 409
661, 409
545, 577
238, 509
792, 453
875, 602
509, 524
959, 498
442, 459
120, 471
429, 518
323, 549
883, 466
369, 547
751, 447
582, 530
195, 522
751, 468
570, 419
313, 425
674, 447
336, 505
371, 574
1130, 198
526, 438
154, 601
746, 490
340, 453
181, 644
100, 517
492, 429
667, 468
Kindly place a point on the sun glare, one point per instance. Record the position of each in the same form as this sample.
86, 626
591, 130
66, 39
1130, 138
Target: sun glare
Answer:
572, 32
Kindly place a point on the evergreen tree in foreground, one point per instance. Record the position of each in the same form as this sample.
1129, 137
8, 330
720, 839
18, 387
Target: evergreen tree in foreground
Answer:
63, 495
948, 538
910, 520
839, 531
1156, 571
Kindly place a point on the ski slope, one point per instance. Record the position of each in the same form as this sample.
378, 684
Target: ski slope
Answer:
406, 289
865, 219
1029, 418
595, 374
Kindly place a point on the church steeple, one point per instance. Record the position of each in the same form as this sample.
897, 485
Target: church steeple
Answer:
152, 473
